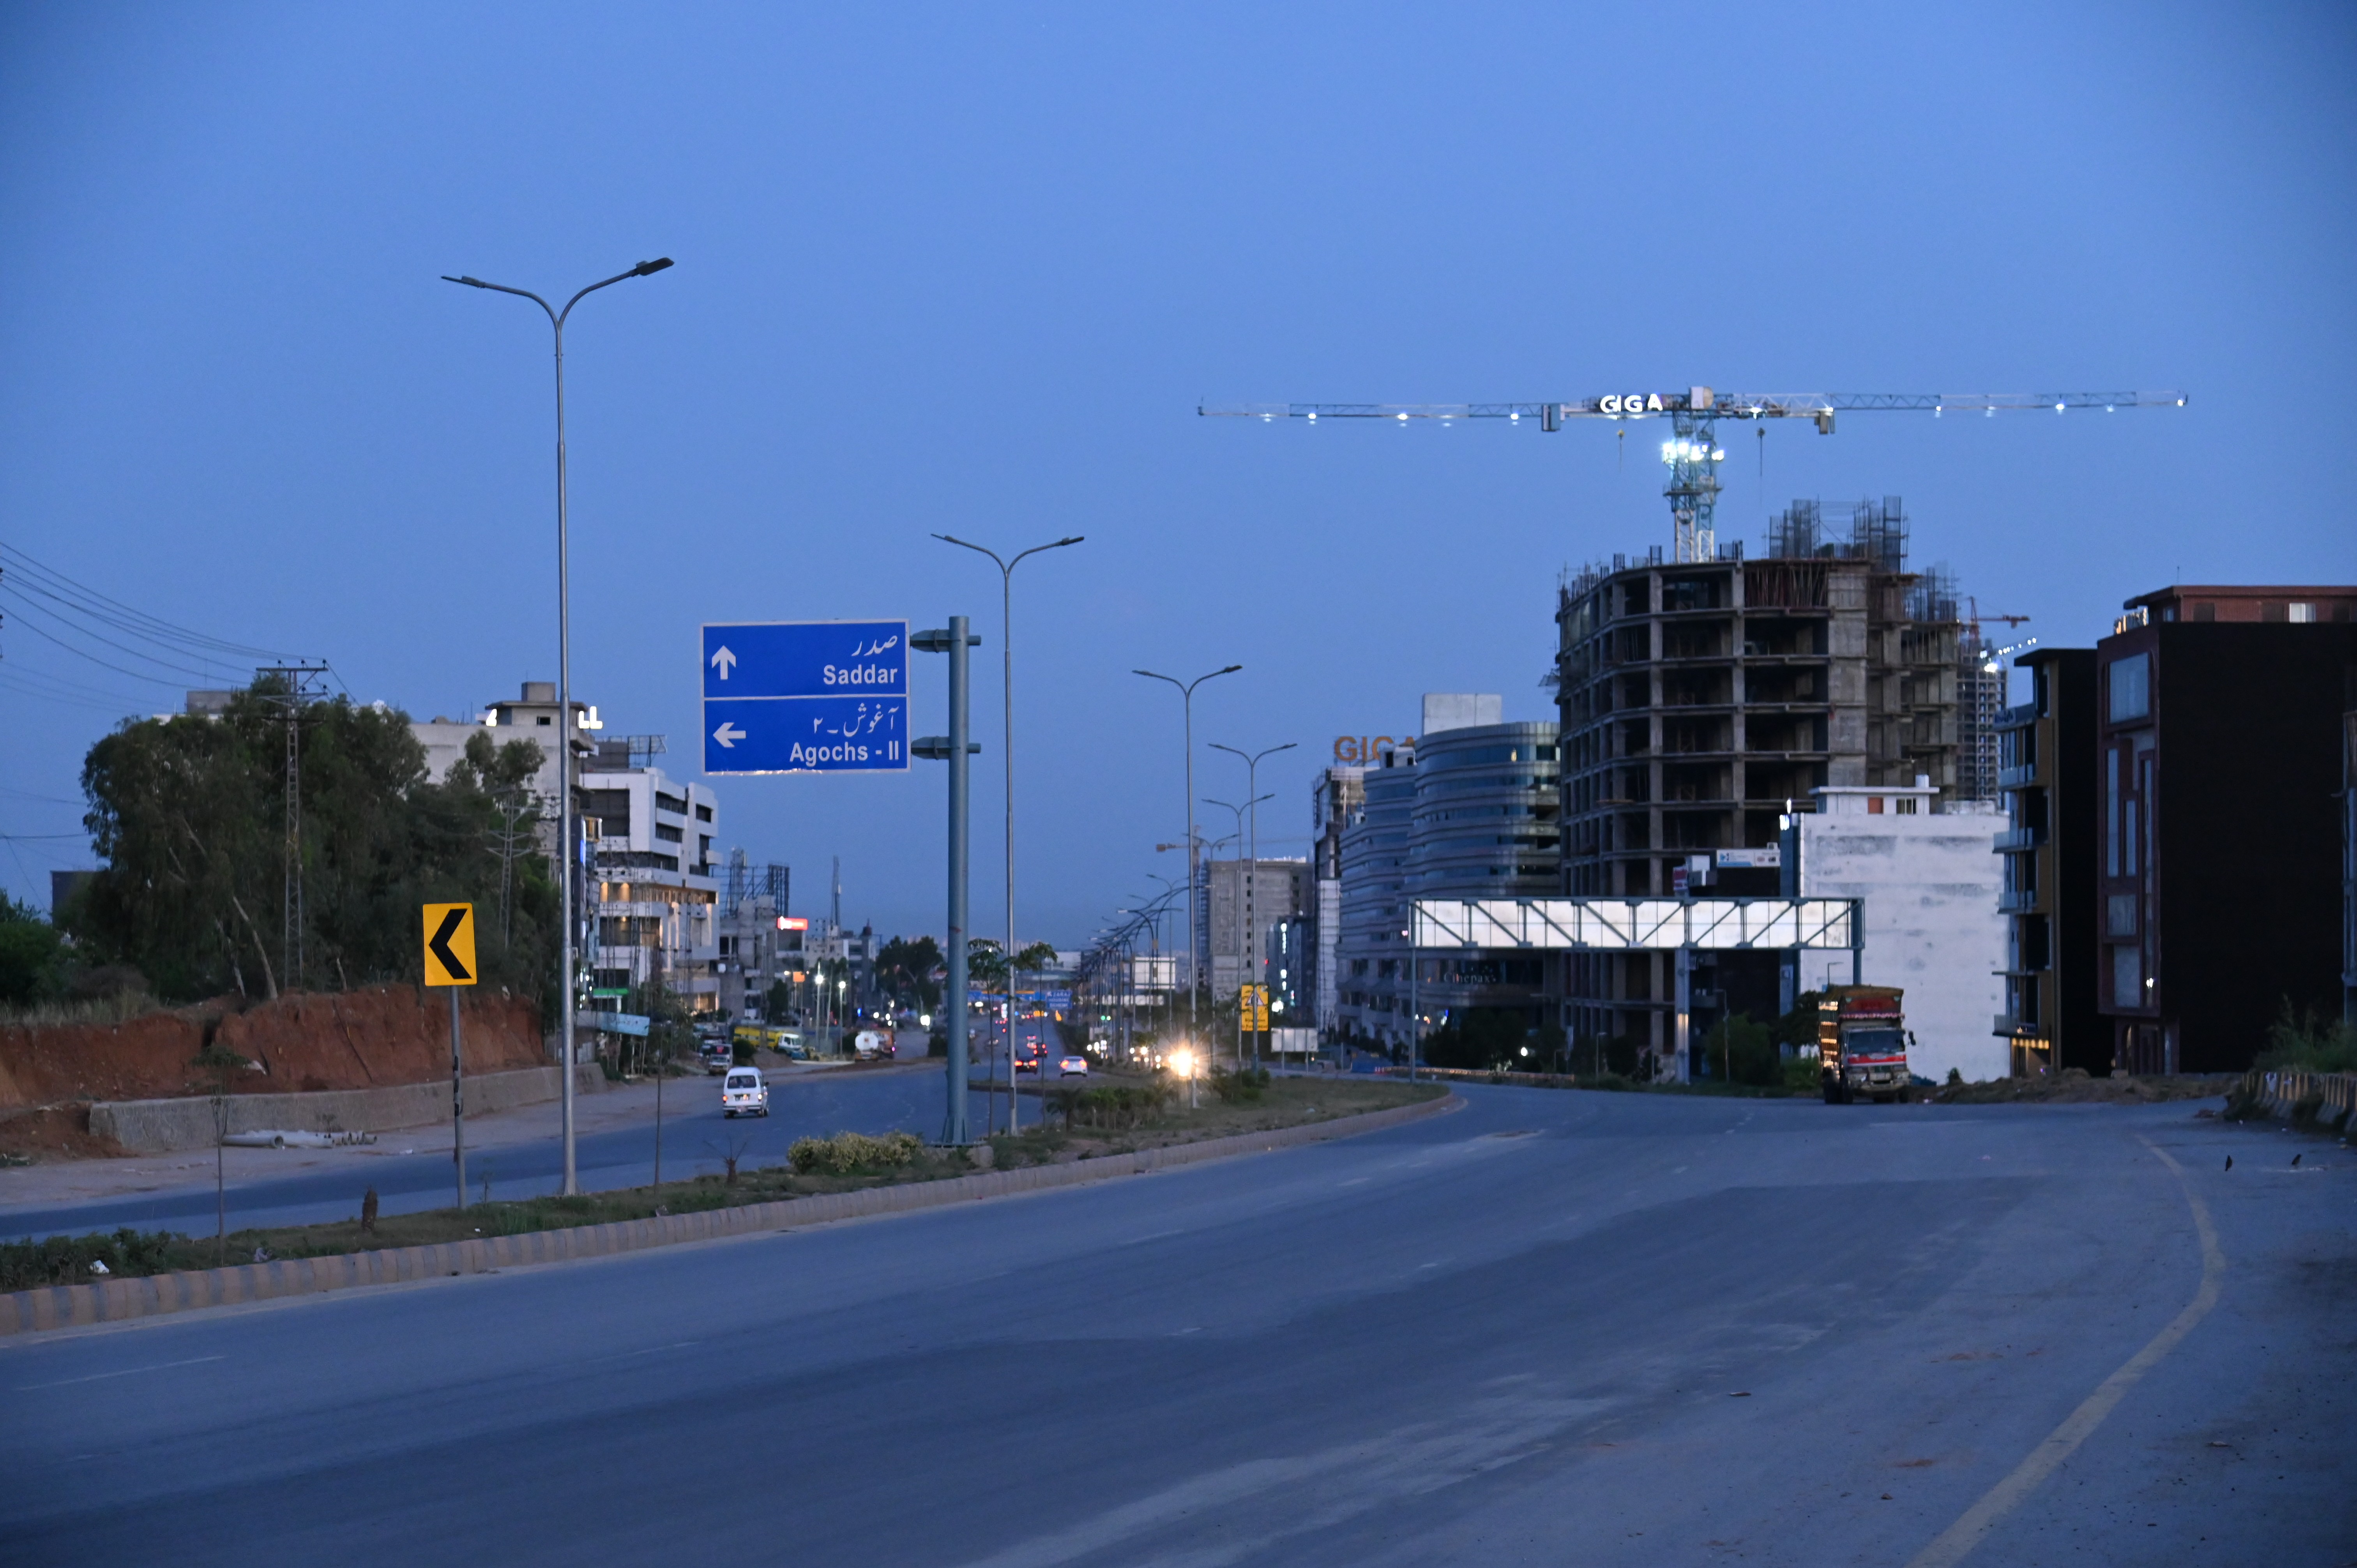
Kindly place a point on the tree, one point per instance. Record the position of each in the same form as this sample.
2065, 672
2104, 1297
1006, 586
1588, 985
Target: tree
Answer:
32, 955
905, 969
1741, 1051
187, 814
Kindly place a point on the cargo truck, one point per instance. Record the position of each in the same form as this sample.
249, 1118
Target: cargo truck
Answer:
1862, 1044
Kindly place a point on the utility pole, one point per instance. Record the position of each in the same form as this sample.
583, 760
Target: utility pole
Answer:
954, 748
298, 688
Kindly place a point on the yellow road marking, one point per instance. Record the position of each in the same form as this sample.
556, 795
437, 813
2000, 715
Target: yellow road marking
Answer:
1952, 1544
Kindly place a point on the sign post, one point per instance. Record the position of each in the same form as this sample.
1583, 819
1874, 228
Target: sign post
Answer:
955, 748
825, 696
450, 963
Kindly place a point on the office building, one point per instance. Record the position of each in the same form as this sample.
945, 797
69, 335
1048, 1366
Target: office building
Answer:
1240, 901
1370, 957
1482, 825
1334, 801
2047, 847
655, 892
2221, 759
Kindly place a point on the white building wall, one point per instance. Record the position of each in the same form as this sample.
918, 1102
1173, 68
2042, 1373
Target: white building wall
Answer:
1932, 922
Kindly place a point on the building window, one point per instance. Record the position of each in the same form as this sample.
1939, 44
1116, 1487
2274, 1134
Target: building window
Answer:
2204, 610
1906, 805
2112, 812
2303, 614
703, 813
2131, 687
1874, 805
2128, 978
2120, 915
668, 835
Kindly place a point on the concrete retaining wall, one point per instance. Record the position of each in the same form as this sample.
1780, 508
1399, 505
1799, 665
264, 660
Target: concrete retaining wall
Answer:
167, 1126
109, 1301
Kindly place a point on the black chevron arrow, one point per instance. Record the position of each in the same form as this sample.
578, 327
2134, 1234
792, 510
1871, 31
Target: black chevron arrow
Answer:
441, 945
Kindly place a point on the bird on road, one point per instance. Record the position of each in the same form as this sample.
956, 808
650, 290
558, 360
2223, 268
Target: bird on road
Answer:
2230, 1162
2295, 1161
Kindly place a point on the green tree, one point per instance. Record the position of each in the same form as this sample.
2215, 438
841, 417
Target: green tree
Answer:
189, 814
32, 955
1741, 1051
905, 970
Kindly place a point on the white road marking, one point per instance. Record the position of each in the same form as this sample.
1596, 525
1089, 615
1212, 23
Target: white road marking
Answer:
1952, 1543
126, 1372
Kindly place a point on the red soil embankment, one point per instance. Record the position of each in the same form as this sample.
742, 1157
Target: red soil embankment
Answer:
353, 1039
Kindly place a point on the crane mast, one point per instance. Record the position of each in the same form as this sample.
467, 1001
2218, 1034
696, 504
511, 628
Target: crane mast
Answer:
1693, 453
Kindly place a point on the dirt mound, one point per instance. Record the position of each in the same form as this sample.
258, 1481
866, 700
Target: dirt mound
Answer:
51, 1130
353, 1039
2074, 1086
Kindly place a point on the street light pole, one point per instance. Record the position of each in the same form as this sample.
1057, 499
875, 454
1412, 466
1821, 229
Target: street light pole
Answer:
568, 879
1257, 959
1187, 694
1006, 682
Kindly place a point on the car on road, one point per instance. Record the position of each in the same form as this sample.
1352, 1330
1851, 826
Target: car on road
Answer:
1073, 1067
717, 1056
1026, 1062
742, 1093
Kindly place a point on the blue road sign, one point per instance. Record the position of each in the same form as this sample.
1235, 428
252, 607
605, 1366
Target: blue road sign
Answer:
828, 697
807, 735
807, 659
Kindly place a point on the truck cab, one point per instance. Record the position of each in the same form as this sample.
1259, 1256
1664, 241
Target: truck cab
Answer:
1862, 1044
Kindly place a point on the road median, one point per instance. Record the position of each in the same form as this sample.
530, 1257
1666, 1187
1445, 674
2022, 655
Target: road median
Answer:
117, 1300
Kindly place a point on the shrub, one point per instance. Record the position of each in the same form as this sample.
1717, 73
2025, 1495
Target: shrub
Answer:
67, 1259
1241, 1086
1741, 1051
849, 1152
1111, 1106
2299, 1042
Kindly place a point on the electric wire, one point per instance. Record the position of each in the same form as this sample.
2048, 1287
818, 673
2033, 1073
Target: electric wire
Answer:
122, 616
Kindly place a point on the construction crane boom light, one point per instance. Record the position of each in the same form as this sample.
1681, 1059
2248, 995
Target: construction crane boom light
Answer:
1693, 456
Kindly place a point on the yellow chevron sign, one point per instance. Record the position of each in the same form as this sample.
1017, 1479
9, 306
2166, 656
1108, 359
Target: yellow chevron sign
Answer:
449, 944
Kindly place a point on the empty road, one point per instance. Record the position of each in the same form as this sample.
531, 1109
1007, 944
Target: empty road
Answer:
1550, 1327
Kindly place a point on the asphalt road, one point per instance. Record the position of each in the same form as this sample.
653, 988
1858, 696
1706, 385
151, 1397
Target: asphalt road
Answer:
694, 1137
1553, 1328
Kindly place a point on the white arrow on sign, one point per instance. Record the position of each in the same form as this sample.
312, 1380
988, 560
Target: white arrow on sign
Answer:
728, 734
722, 661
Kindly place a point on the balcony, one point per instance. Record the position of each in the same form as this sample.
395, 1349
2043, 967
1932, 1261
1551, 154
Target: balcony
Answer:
2020, 838
2015, 777
2015, 901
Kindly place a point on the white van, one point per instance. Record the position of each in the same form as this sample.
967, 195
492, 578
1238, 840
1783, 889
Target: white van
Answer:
742, 1093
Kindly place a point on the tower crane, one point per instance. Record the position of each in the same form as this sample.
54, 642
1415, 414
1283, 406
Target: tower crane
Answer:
1692, 453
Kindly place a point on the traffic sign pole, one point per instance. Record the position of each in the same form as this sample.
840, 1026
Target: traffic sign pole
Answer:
448, 961
954, 750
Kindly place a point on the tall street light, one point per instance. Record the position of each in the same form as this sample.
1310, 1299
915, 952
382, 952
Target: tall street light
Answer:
1258, 959
1243, 934
566, 850
1186, 691
1006, 657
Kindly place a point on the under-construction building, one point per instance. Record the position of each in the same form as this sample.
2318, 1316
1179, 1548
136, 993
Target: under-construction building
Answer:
1700, 701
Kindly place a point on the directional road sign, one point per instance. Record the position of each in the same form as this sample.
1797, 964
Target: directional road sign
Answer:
827, 696
449, 944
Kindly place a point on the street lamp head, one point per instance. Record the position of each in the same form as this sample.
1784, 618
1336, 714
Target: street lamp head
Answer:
470, 283
1228, 670
645, 269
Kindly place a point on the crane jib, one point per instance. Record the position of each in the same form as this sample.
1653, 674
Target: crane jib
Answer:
1705, 402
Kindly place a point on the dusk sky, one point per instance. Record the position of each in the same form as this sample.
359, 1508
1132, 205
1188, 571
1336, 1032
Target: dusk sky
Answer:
970, 269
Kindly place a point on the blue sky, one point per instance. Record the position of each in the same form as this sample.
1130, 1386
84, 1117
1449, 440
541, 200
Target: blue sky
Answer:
970, 269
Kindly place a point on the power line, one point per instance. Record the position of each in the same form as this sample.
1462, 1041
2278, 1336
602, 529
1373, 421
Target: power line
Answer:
124, 617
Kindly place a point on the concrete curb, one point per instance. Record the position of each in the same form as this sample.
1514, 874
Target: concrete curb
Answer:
112, 1301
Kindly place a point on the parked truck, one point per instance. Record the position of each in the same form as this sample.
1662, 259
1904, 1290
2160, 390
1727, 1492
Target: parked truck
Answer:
1862, 1044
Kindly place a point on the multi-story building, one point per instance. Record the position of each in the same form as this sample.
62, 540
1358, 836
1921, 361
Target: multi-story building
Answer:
655, 895
1235, 892
2047, 772
1483, 825
1334, 801
1921, 866
1371, 958
2218, 761
1701, 702
754, 916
